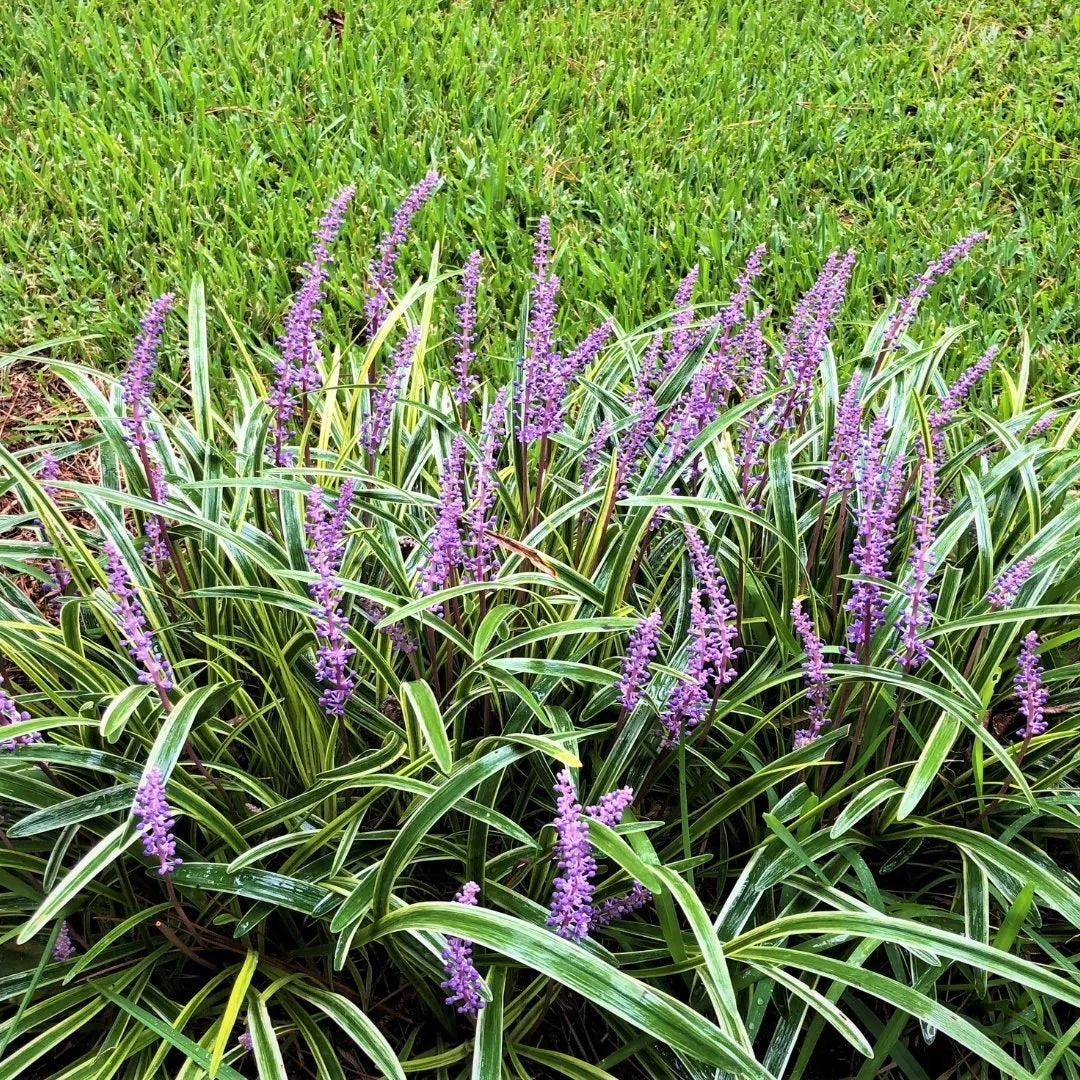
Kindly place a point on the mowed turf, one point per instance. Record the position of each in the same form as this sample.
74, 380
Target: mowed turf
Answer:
145, 142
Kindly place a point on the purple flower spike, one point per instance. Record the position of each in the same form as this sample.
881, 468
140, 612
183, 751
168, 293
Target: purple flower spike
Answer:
722, 632
682, 339
644, 410
1030, 691
297, 372
156, 670
326, 536
10, 713
571, 902
879, 488
954, 397
447, 554
383, 269
817, 678
640, 650
137, 391
1002, 594
480, 520
1043, 424
591, 459
64, 949
909, 306
153, 811
398, 635
50, 470
611, 807
462, 979
618, 907
541, 360
465, 335
245, 1041
917, 613
844, 444
385, 398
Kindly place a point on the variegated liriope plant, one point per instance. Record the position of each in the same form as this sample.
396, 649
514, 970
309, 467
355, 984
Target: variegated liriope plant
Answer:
726, 682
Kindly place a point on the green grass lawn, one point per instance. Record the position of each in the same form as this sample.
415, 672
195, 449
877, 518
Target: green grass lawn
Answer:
143, 142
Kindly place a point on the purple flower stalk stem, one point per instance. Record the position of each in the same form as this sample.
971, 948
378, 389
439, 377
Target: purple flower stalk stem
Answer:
643, 408
618, 907
917, 613
480, 520
1002, 594
1030, 691
879, 486
10, 713
50, 470
909, 306
722, 631
844, 444
398, 635
447, 551
591, 459
465, 335
687, 702
462, 979
540, 358
64, 948
817, 678
153, 811
640, 650
754, 435
326, 536
245, 1040
385, 397
137, 391
571, 902
954, 397
156, 670
383, 269
682, 339
1043, 424
297, 372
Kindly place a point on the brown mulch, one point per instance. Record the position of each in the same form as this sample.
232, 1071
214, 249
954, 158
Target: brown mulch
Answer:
38, 407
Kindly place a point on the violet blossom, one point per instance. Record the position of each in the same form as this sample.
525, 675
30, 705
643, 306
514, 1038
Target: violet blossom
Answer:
844, 444
954, 397
50, 470
817, 678
245, 1041
465, 334
462, 979
10, 713
618, 907
326, 535
909, 305
591, 459
396, 632
385, 397
1030, 691
682, 339
643, 408
63, 948
157, 822
540, 357
1042, 425
296, 373
447, 554
1002, 594
383, 269
155, 668
917, 613
611, 807
479, 519
640, 650
571, 902
879, 486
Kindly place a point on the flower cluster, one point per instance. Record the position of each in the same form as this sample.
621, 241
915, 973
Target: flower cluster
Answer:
817, 677
682, 338
326, 536
398, 635
137, 392
156, 670
10, 713
385, 397
465, 335
480, 519
1030, 691
591, 461
50, 470
463, 981
572, 911
64, 948
909, 305
383, 269
879, 486
296, 374
1002, 594
954, 397
916, 614
447, 555
644, 412
157, 822
844, 444
640, 650
619, 907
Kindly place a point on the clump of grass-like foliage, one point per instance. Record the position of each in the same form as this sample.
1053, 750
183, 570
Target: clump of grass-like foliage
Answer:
762, 630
